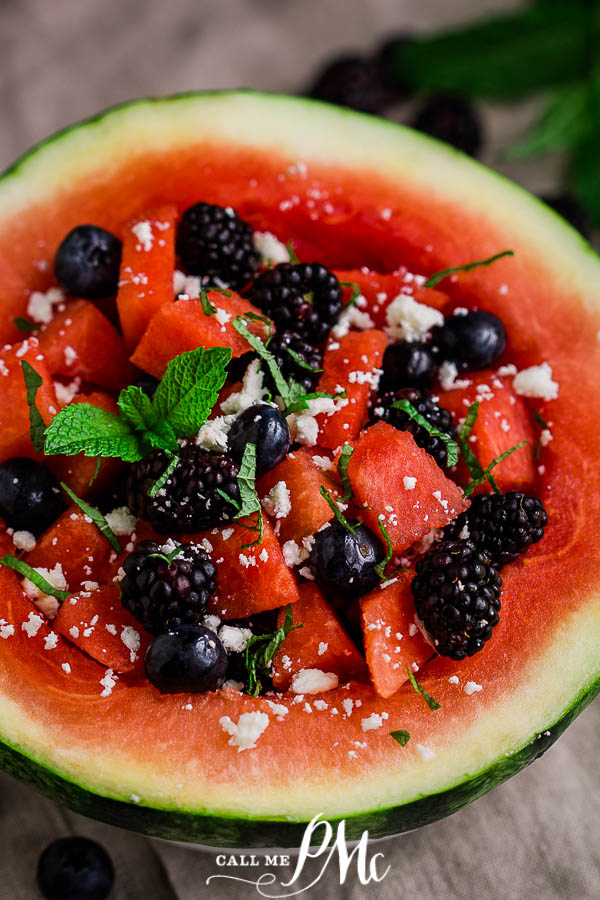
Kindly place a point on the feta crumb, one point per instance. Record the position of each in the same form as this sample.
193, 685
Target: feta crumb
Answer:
545, 437
7, 630
293, 554
271, 249
233, 685
408, 320
252, 391
448, 377
51, 641
131, 639
348, 705
40, 306
536, 381
246, 731
46, 602
66, 392
313, 681
213, 435
24, 540
143, 233
121, 520
279, 709
278, 502
454, 679
70, 354
323, 463
108, 683
375, 720
409, 482
307, 430
352, 317
234, 639
66, 668
471, 687
323, 645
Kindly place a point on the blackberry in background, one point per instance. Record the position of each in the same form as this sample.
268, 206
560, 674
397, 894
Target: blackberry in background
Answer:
353, 81
451, 119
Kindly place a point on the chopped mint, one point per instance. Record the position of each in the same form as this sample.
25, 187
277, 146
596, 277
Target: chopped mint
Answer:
162, 479
292, 253
20, 566
435, 279
487, 472
96, 471
431, 703
96, 517
401, 736
539, 420
342, 467
261, 649
250, 504
301, 362
37, 426
207, 307
472, 463
336, 510
301, 402
167, 557
451, 446
380, 567
25, 326
356, 292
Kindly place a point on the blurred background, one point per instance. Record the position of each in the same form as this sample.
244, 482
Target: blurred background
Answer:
62, 60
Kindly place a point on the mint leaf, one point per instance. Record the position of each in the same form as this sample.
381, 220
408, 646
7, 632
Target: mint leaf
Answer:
136, 407
260, 651
292, 253
435, 279
355, 292
255, 342
190, 388
20, 566
207, 307
342, 467
336, 510
451, 447
162, 480
564, 122
473, 464
431, 703
297, 404
25, 326
401, 736
487, 472
37, 426
380, 567
87, 429
246, 482
301, 362
506, 56
96, 517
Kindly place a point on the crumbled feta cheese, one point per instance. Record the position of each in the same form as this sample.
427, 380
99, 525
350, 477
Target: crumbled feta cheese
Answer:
545, 438
7, 630
307, 430
277, 503
233, 685
24, 540
66, 668
293, 554
536, 381
40, 306
352, 317
32, 625
234, 639
448, 377
279, 709
252, 391
66, 392
454, 679
143, 233
313, 681
471, 687
323, 645
408, 320
46, 602
131, 639
375, 720
214, 434
247, 730
271, 249
51, 641
121, 520
409, 482
323, 463
108, 683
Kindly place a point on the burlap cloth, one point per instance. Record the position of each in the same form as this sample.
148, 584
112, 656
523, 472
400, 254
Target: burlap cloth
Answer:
537, 836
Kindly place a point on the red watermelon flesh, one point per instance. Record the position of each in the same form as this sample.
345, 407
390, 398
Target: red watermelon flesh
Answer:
80, 341
14, 410
503, 420
147, 267
380, 289
182, 326
353, 364
97, 623
383, 458
392, 640
77, 544
249, 579
321, 643
303, 479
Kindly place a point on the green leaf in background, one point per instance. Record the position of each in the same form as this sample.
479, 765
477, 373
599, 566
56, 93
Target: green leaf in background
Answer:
83, 428
543, 45
37, 426
584, 171
565, 121
190, 388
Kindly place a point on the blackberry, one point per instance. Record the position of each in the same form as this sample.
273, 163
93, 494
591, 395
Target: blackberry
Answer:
88, 261
451, 119
426, 406
160, 593
290, 367
215, 241
189, 500
504, 525
352, 81
457, 597
305, 298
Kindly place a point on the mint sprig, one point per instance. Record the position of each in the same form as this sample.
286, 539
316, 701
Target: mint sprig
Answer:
183, 401
435, 279
451, 446
20, 566
96, 516
261, 649
429, 700
37, 426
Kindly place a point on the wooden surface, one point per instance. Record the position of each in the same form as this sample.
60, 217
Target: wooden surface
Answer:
535, 837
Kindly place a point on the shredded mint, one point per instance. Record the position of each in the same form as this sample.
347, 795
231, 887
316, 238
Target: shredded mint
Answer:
380, 567
487, 472
207, 307
401, 736
435, 279
301, 402
451, 446
167, 557
96, 471
336, 510
37, 426
292, 253
472, 463
25, 326
20, 566
356, 292
250, 504
431, 703
342, 467
162, 479
96, 516
301, 362
255, 342
539, 420
254, 317
261, 649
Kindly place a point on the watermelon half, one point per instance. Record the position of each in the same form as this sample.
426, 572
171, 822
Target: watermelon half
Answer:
350, 191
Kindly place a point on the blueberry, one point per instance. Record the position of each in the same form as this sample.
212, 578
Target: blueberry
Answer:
408, 364
451, 119
345, 561
75, 868
265, 427
87, 262
188, 658
147, 384
472, 341
30, 496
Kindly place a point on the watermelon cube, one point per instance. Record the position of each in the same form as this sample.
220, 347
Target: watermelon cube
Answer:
321, 643
182, 326
97, 623
399, 484
352, 363
391, 638
14, 410
80, 341
147, 266
503, 420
